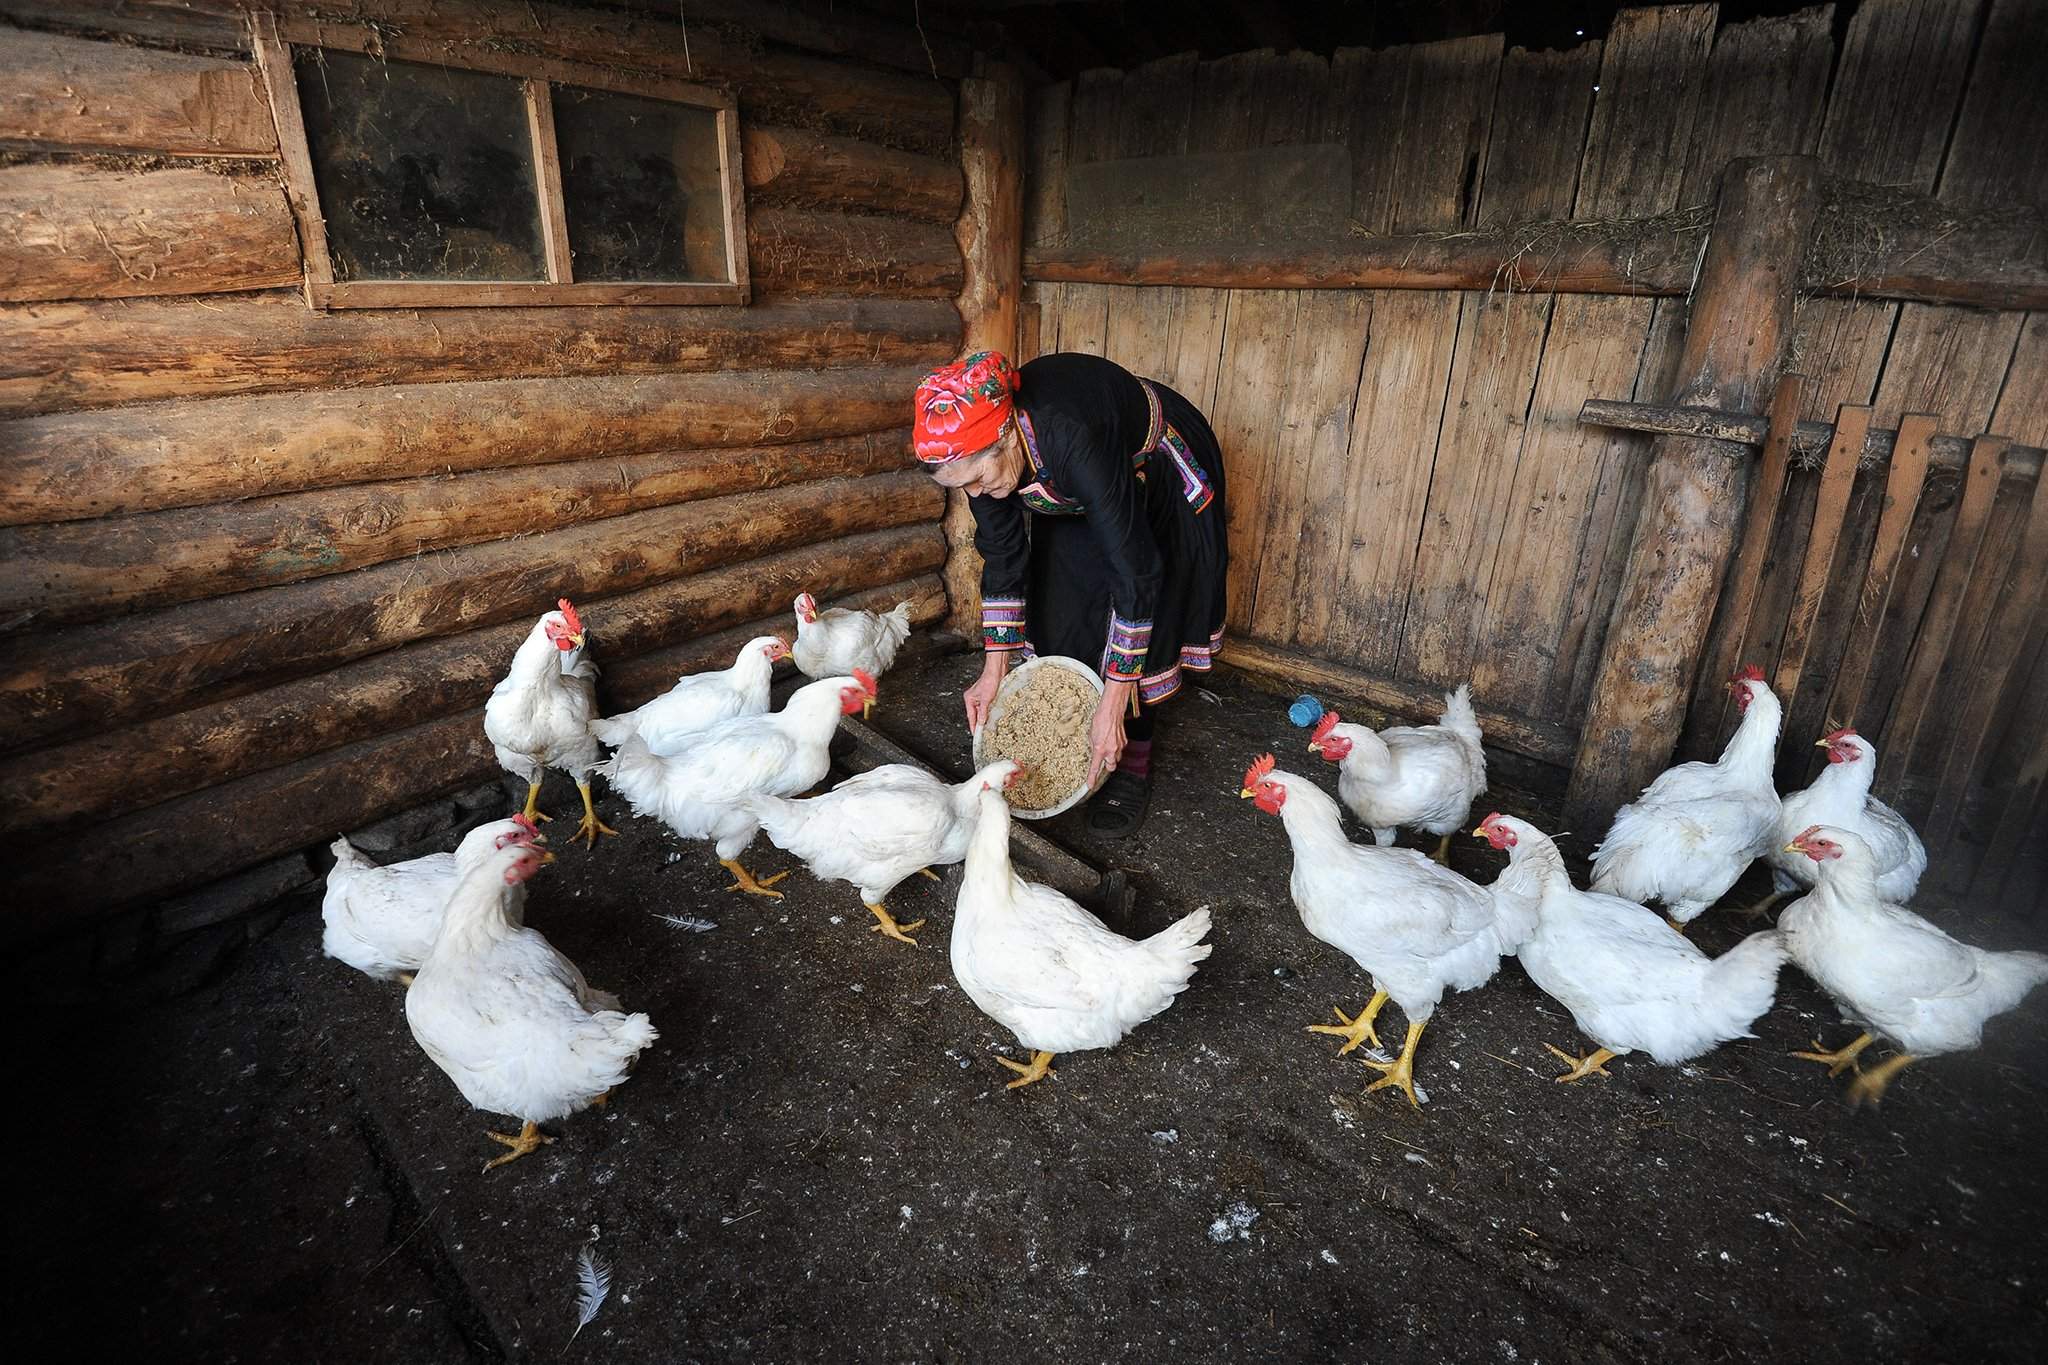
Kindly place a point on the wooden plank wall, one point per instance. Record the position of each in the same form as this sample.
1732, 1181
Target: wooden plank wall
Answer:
1420, 450
260, 557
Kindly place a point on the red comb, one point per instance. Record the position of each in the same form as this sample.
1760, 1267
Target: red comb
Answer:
1491, 816
1261, 766
1807, 833
569, 617
1748, 673
1846, 732
525, 824
1329, 722
866, 680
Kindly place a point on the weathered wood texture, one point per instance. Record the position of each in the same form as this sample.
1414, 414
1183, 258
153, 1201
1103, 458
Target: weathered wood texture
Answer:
198, 837
73, 92
809, 251
71, 680
61, 356
117, 461
803, 167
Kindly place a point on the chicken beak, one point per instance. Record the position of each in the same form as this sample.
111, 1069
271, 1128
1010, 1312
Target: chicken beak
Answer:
1479, 833
1793, 847
1315, 746
1244, 793
546, 857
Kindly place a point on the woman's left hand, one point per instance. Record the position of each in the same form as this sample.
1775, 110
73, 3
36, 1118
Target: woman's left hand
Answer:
1106, 731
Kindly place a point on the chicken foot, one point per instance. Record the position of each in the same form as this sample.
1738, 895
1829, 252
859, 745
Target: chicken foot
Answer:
927, 872
1358, 1030
746, 880
533, 803
591, 826
1840, 1059
1401, 1071
1869, 1086
530, 1139
1038, 1070
887, 926
1592, 1064
1764, 906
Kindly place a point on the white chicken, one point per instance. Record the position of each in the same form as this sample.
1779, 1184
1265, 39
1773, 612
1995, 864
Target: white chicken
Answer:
1423, 777
512, 1021
839, 640
880, 827
1892, 974
539, 714
1841, 797
1047, 970
1630, 983
702, 792
381, 920
699, 701
1417, 927
1698, 827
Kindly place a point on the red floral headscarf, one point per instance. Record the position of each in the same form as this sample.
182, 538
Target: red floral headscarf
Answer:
961, 409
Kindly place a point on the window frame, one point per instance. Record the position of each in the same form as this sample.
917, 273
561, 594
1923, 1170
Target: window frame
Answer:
273, 39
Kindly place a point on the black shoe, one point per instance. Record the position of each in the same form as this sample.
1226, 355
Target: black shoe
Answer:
1119, 808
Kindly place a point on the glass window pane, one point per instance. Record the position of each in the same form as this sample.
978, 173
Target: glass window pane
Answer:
424, 173
641, 183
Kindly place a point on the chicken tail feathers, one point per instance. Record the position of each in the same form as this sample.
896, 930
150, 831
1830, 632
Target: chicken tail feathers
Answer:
632, 1032
2010, 976
1459, 717
1742, 982
1180, 944
612, 731
347, 855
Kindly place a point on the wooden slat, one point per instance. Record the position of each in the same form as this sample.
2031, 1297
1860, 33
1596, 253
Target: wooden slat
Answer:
83, 678
1045, 188
1259, 334
67, 356
1836, 481
547, 174
1944, 605
1896, 87
295, 158
74, 92
1766, 94
2014, 618
1652, 77
1084, 319
1809, 439
143, 458
75, 231
2022, 411
2013, 872
1905, 474
1999, 150
1194, 365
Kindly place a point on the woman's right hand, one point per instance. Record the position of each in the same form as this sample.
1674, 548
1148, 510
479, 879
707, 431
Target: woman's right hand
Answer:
982, 695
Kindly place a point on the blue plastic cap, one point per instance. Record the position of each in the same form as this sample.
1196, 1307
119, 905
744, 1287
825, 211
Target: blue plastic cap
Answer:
1305, 712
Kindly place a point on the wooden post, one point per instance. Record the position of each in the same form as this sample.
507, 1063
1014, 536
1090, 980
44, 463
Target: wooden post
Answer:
1693, 490
991, 236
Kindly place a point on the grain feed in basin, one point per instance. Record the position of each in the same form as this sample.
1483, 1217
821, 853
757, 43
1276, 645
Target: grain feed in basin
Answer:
1044, 726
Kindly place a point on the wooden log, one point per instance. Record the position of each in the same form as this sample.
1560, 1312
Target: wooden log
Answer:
1809, 439
73, 92
85, 570
117, 461
990, 233
188, 30
81, 678
80, 355
810, 251
74, 231
1294, 672
107, 775
197, 838
1742, 312
797, 166
919, 49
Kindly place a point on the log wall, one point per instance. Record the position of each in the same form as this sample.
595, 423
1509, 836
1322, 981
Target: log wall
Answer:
1414, 501
264, 565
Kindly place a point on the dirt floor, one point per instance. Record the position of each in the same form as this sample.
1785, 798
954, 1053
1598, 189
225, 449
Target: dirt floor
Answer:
818, 1161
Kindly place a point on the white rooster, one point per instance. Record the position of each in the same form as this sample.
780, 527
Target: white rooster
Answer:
512, 1021
381, 920
1418, 928
839, 640
699, 701
1422, 777
880, 827
703, 792
1698, 827
1629, 982
539, 714
1841, 797
1047, 970
1892, 974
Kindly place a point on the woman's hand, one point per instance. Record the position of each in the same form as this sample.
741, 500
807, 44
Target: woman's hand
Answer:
1106, 731
982, 695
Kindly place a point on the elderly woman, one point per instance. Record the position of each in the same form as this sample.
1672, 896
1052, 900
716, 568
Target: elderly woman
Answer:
1098, 511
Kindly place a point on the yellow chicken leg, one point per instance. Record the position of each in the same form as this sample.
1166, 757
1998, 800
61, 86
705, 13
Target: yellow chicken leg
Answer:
1400, 1071
1763, 907
887, 926
1443, 851
1592, 1064
1355, 1031
747, 883
530, 1139
591, 826
533, 803
1839, 1060
1868, 1087
1038, 1070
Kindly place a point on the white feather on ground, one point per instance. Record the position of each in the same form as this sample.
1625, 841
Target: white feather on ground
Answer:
593, 1283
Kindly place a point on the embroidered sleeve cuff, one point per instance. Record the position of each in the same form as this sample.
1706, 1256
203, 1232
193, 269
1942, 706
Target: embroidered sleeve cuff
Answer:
1124, 660
1002, 623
